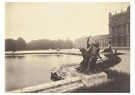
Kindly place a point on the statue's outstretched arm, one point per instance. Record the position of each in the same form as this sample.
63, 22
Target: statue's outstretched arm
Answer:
88, 45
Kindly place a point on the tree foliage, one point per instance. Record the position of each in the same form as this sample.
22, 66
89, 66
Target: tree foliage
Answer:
41, 44
49, 44
13, 45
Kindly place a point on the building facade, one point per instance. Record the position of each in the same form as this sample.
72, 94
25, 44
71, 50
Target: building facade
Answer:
119, 28
102, 39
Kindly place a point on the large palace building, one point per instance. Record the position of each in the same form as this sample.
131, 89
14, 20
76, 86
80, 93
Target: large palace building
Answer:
119, 32
119, 28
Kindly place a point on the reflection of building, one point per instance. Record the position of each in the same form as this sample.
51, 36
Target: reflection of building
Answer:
119, 28
102, 39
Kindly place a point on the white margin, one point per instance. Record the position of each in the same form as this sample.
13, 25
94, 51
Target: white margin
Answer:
2, 44
2, 50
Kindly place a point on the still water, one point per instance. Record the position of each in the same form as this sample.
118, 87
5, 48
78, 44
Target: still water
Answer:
28, 70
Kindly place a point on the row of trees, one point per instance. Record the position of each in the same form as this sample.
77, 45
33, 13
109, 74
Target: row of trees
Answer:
50, 44
20, 44
12, 45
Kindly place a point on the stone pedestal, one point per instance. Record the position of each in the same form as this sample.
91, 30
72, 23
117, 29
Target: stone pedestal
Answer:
94, 79
90, 80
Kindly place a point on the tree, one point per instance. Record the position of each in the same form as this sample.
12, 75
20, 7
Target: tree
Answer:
20, 44
69, 44
12, 45
9, 45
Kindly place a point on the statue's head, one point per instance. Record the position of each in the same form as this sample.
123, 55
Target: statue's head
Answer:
96, 43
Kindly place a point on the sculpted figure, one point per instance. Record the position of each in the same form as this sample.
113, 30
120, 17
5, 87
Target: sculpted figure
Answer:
85, 60
90, 56
93, 56
85, 55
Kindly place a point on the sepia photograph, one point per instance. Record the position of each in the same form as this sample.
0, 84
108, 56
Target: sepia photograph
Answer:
67, 47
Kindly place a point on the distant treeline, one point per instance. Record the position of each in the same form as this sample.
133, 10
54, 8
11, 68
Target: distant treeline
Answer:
12, 45
41, 44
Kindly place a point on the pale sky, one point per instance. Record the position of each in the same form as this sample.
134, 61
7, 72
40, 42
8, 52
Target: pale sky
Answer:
34, 21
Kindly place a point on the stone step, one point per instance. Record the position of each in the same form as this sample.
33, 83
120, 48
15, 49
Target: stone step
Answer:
64, 88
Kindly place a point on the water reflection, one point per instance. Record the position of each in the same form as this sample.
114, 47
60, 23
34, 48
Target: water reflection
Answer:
46, 55
27, 70
14, 56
